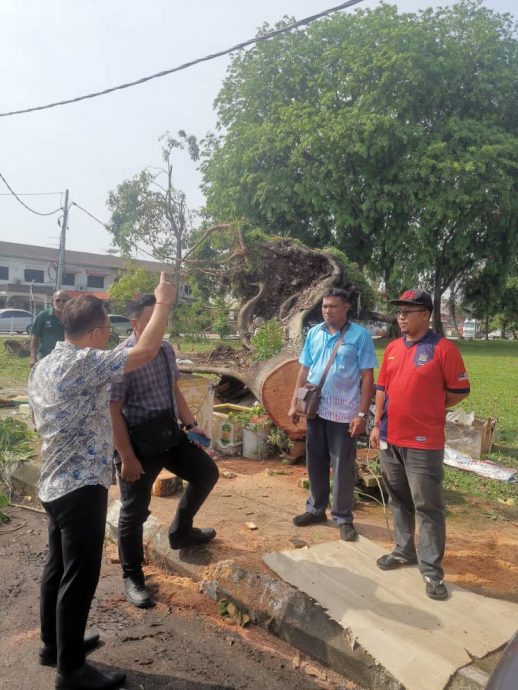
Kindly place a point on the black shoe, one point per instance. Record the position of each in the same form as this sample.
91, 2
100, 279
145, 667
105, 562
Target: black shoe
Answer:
308, 519
194, 536
90, 678
136, 593
435, 588
49, 654
391, 561
348, 532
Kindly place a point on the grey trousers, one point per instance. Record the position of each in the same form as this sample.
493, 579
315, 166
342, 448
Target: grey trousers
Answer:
413, 477
329, 445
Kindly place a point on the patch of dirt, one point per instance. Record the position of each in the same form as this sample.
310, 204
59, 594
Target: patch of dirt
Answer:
481, 554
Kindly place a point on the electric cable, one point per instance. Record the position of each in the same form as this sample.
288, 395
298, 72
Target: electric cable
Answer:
191, 63
32, 193
134, 244
38, 213
107, 227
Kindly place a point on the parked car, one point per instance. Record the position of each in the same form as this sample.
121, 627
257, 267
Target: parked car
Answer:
15, 321
121, 325
498, 334
471, 329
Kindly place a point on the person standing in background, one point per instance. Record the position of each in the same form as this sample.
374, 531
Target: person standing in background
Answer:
47, 328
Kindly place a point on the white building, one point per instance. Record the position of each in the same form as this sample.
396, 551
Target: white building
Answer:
28, 274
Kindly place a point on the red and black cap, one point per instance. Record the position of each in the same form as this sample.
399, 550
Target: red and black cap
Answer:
416, 297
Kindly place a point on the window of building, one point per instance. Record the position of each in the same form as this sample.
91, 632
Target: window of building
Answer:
4, 273
187, 289
95, 282
69, 278
31, 274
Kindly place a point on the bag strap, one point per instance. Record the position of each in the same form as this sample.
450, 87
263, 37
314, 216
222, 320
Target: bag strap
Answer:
332, 356
169, 379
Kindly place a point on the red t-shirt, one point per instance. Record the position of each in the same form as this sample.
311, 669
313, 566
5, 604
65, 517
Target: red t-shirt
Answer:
415, 377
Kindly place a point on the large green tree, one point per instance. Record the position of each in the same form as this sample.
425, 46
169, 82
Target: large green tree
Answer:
393, 136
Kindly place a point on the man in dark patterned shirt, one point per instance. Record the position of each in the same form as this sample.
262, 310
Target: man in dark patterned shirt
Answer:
139, 397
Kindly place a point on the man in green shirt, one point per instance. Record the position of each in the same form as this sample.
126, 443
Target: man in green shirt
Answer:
47, 328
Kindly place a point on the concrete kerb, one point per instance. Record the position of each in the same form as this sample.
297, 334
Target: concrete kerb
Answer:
280, 608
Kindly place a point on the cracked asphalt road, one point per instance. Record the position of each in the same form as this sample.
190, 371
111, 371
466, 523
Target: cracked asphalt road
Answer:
182, 643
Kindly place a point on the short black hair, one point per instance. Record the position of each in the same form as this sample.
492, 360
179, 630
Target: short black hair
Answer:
338, 292
138, 305
82, 314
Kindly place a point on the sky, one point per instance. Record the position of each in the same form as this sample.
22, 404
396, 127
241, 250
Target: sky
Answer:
58, 49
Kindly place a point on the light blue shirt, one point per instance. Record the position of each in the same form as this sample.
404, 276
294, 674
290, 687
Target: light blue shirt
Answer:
340, 401
69, 395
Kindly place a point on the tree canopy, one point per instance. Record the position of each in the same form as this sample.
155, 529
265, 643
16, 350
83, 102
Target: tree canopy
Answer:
392, 136
148, 211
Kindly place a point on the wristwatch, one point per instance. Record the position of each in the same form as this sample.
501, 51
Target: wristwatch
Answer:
190, 426
361, 415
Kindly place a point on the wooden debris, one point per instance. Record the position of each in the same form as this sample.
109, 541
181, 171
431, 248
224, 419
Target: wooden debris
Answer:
166, 484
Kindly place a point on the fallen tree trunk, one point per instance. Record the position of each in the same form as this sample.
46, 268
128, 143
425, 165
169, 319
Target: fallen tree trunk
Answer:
272, 383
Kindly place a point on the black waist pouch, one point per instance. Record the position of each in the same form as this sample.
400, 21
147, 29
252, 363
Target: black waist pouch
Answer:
155, 436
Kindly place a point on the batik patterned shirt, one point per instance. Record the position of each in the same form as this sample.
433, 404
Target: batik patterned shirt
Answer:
340, 401
69, 396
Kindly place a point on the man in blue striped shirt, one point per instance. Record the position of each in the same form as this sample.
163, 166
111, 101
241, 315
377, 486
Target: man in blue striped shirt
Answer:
342, 412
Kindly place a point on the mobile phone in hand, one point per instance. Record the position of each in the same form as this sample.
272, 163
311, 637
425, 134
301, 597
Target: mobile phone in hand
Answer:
198, 438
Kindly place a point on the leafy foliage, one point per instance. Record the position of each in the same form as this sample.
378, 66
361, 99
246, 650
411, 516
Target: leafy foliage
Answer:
267, 341
148, 211
392, 136
132, 282
16, 444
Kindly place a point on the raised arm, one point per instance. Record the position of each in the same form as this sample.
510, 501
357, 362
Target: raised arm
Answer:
149, 342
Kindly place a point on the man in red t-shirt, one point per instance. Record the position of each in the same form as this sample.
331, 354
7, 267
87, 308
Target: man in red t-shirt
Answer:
421, 375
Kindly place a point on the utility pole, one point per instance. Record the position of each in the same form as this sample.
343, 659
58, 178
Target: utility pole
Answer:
62, 240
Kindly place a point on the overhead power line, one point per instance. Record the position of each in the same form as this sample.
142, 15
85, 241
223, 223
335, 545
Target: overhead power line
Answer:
16, 196
107, 227
186, 65
32, 193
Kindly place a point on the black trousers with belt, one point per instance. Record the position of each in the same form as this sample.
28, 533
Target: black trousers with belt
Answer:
76, 524
188, 462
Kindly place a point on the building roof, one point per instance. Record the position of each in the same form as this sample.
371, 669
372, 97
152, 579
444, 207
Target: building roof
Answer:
80, 259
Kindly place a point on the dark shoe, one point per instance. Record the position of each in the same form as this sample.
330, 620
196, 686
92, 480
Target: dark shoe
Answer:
90, 678
308, 519
435, 588
348, 532
194, 536
391, 561
136, 593
49, 655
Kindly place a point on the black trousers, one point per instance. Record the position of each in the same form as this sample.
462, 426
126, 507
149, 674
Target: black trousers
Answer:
330, 445
76, 533
188, 462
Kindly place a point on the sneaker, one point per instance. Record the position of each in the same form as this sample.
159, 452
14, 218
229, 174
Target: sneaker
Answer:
348, 532
391, 561
136, 593
308, 519
435, 588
